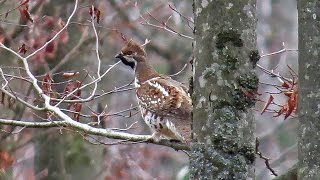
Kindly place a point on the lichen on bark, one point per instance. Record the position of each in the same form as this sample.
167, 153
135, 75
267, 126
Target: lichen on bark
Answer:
309, 90
224, 90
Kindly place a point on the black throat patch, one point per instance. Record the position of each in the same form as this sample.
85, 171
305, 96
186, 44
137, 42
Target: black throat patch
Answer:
126, 62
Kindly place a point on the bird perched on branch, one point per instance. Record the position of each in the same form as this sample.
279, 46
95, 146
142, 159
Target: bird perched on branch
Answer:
164, 103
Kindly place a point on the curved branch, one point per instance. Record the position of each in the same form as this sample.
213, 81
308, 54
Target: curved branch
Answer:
109, 133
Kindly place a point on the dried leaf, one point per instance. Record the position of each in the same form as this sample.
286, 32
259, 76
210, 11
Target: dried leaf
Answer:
70, 74
77, 108
24, 10
288, 93
285, 85
27, 15
281, 111
2, 38
292, 104
71, 87
47, 85
22, 49
2, 97
124, 38
98, 16
11, 102
78, 92
95, 13
6, 160
270, 100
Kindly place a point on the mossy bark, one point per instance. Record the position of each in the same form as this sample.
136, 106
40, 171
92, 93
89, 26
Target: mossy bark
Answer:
224, 88
309, 89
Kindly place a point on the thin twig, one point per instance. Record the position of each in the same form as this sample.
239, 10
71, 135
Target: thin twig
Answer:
10, 10
183, 16
273, 74
13, 132
177, 73
164, 26
284, 49
66, 58
125, 129
56, 35
266, 160
14, 24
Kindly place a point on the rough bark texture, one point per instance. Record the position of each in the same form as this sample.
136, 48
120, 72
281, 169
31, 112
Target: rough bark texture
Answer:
309, 89
224, 85
291, 174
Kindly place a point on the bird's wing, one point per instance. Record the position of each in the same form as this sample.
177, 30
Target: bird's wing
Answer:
165, 97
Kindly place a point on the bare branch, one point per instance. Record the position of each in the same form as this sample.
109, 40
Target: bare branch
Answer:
96, 131
14, 24
115, 90
10, 10
125, 129
284, 49
85, 85
57, 34
266, 160
271, 72
70, 53
164, 26
179, 72
171, 6
30, 124
13, 132
97, 47
4, 78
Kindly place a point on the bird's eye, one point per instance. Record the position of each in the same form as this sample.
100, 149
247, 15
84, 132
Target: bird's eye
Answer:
129, 52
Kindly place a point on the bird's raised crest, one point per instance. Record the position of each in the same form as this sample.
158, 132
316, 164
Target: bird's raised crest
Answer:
147, 41
132, 48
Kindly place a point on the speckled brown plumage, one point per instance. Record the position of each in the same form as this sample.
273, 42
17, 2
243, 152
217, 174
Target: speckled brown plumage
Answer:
165, 104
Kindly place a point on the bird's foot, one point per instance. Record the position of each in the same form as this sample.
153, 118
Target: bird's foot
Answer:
176, 141
156, 137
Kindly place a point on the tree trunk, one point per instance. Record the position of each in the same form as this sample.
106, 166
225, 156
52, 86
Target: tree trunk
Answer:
224, 88
309, 90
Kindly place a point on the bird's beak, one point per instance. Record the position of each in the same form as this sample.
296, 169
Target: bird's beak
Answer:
120, 55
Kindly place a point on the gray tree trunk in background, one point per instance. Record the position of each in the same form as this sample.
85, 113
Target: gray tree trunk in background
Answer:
309, 89
224, 85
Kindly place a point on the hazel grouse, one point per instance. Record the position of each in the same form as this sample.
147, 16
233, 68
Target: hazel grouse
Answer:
164, 103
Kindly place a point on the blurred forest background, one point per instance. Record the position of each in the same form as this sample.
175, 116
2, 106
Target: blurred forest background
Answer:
59, 154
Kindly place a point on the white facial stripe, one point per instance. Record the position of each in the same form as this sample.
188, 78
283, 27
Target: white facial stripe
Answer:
136, 83
129, 58
155, 78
